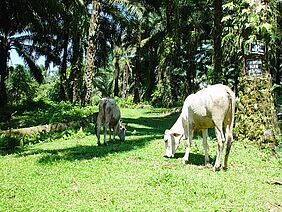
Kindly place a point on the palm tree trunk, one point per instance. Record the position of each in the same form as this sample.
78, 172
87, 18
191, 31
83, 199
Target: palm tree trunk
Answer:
75, 76
63, 70
116, 86
217, 57
4, 47
91, 50
138, 67
151, 75
125, 80
277, 66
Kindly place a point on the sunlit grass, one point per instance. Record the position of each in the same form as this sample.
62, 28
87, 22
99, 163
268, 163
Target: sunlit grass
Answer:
73, 173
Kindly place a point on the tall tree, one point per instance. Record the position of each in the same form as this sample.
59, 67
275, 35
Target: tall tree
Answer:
117, 71
18, 21
91, 50
217, 37
137, 81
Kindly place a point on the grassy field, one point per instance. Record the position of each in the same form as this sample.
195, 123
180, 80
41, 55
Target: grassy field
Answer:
72, 173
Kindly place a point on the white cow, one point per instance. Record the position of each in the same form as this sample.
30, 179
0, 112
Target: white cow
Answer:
211, 107
109, 116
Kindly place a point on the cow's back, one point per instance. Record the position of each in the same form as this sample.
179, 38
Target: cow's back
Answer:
102, 109
113, 111
210, 104
108, 110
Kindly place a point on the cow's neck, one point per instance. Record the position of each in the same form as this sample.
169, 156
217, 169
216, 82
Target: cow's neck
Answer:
177, 127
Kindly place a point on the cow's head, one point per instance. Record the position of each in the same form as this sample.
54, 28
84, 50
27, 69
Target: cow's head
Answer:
172, 141
122, 131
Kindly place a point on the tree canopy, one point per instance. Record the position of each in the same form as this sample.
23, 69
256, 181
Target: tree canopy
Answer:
157, 51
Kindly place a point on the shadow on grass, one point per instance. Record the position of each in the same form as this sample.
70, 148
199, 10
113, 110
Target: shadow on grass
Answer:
194, 158
87, 152
145, 129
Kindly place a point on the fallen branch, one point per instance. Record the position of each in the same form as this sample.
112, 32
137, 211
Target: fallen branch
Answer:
55, 127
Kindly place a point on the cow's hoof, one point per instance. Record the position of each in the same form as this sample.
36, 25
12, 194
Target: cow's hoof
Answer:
208, 165
99, 144
216, 168
184, 162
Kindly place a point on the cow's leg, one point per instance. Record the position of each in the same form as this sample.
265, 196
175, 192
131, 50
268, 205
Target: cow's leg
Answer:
185, 127
110, 132
105, 132
97, 130
229, 138
220, 140
188, 145
205, 145
114, 135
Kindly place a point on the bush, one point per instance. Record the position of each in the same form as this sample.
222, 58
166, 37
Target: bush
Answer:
125, 103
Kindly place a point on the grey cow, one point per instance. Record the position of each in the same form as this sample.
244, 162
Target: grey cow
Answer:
109, 116
211, 107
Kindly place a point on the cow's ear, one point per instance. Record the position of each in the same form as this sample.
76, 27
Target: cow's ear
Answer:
126, 125
167, 131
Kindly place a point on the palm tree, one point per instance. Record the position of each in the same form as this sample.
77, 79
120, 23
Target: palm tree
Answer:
17, 20
217, 37
115, 16
91, 49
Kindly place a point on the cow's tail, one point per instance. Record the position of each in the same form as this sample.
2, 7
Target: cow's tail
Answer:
104, 105
101, 114
233, 102
228, 133
231, 99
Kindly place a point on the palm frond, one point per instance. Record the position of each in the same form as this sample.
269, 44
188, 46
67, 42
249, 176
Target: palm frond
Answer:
35, 69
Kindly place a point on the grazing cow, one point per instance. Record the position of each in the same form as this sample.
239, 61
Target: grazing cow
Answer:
109, 116
211, 107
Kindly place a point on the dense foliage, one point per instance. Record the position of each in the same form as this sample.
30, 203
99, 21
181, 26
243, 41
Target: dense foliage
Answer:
153, 50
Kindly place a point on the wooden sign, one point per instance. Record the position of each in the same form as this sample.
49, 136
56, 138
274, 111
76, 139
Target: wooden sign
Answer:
254, 67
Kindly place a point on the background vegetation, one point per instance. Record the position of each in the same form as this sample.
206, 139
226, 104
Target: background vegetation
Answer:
157, 51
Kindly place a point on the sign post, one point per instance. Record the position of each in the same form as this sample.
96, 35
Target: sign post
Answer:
255, 58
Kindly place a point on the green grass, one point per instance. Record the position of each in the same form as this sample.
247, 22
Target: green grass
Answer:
73, 174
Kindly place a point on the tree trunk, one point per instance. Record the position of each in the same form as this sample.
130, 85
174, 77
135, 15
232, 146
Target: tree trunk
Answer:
75, 76
4, 48
91, 50
116, 75
63, 69
217, 56
125, 80
138, 67
278, 65
170, 11
151, 75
